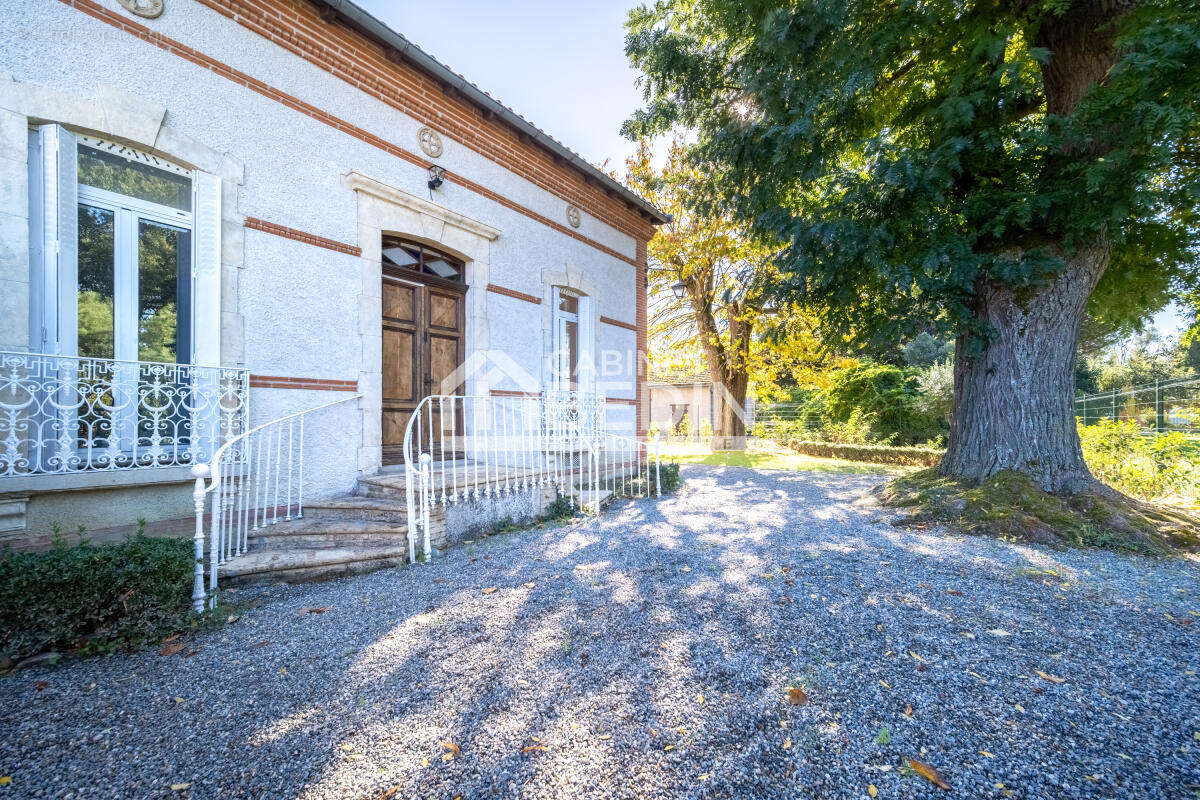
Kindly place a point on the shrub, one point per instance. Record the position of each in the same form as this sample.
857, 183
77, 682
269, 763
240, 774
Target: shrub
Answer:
879, 454
93, 599
885, 398
1150, 467
684, 426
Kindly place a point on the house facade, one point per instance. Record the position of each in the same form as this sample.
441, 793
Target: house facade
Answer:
215, 214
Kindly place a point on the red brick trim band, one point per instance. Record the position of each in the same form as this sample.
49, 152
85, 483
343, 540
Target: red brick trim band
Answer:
621, 401
256, 224
253, 84
528, 298
626, 325
303, 30
281, 382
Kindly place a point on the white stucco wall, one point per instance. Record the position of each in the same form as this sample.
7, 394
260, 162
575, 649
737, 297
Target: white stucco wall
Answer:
294, 309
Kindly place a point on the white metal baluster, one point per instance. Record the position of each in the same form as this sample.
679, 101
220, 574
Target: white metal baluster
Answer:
248, 492
475, 443
222, 482
429, 426
214, 544
487, 449
259, 482
300, 478
291, 437
526, 466
278, 448
442, 437
412, 512
454, 441
425, 500
506, 444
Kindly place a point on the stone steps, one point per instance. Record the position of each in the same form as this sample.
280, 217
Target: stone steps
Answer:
310, 564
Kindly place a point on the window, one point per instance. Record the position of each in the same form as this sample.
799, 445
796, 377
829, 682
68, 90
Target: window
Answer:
127, 263
421, 259
133, 299
572, 341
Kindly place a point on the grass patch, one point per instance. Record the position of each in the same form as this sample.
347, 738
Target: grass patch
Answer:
1010, 506
767, 459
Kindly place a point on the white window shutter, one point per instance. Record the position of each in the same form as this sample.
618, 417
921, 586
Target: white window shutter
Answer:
57, 214
206, 269
587, 345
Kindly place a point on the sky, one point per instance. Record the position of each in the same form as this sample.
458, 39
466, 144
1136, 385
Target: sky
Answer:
558, 63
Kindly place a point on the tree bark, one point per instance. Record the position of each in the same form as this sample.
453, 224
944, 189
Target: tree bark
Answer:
1014, 405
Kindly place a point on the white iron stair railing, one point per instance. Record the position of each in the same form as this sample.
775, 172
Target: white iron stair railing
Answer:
462, 447
255, 480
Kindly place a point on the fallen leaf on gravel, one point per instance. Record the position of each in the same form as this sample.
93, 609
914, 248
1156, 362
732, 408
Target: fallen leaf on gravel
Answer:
796, 696
179, 787
257, 645
1019, 707
703, 777
1048, 677
315, 609
41, 686
700, 699
787, 744
530, 585
999, 632
453, 748
986, 753
871, 790
954, 592
908, 710
489, 590
533, 747
885, 683
606, 737
171, 638
5, 780
171, 648
967, 634
668, 748
929, 773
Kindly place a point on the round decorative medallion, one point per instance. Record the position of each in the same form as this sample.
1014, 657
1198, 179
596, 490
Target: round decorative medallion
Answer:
431, 143
573, 216
144, 8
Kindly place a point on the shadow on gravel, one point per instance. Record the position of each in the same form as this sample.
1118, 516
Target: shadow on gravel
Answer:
647, 653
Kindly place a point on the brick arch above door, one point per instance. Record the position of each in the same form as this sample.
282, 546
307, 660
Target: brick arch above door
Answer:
384, 209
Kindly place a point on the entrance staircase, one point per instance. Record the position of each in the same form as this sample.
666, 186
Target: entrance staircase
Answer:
254, 524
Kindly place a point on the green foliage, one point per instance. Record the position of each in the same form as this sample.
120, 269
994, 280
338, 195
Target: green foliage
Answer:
924, 350
94, 598
884, 398
684, 426
1163, 467
908, 154
559, 509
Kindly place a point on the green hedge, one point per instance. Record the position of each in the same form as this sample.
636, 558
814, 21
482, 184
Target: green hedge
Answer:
879, 454
94, 598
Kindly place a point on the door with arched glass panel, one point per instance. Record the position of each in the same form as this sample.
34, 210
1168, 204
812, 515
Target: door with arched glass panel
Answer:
424, 327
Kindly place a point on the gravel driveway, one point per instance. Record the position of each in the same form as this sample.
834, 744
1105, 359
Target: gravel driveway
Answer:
648, 654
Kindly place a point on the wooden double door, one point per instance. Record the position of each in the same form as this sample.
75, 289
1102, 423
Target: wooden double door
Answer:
423, 344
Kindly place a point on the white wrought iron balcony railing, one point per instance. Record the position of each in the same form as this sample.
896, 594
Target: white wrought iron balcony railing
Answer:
67, 414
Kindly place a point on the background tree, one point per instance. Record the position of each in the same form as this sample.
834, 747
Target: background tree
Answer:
989, 167
725, 278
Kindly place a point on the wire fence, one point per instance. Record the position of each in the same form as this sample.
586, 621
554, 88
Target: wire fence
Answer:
1161, 407
771, 418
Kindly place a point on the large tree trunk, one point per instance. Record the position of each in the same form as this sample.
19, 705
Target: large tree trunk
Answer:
1014, 401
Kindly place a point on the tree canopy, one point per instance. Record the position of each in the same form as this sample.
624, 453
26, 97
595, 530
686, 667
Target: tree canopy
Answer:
908, 152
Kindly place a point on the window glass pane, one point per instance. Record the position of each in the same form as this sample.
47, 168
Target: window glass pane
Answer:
571, 329
401, 256
116, 174
441, 267
568, 303
164, 271
96, 282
